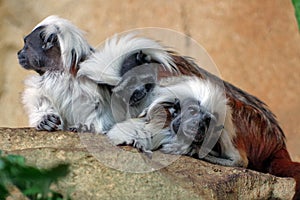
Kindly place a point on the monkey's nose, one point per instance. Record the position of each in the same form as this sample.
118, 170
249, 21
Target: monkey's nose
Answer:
207, 120
20, 52
204, 124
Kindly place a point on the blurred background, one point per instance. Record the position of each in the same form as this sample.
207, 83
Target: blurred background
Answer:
255, 44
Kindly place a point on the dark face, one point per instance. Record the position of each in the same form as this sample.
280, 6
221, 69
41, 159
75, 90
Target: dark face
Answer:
39, 53
192, 121
135, 60
134, 90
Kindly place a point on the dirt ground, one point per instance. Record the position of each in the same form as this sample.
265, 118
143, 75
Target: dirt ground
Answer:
255, 44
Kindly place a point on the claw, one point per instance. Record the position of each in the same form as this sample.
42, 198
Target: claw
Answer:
73, 129
84, 128
54, 118
50, 122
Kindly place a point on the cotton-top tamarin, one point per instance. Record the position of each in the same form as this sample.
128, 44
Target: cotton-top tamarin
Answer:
75, 86
74, 83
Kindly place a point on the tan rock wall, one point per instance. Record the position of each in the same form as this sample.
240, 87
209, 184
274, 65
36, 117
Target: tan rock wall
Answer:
185, 178
255, 44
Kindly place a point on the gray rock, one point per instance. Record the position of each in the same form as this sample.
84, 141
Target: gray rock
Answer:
185, 178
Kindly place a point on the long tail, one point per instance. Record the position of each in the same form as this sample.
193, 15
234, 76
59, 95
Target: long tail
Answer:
282, 165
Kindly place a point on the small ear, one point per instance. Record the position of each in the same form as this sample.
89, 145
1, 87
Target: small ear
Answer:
50, 41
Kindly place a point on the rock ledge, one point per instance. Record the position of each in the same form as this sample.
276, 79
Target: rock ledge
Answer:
186, 178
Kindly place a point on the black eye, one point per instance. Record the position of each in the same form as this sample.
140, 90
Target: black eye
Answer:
42, 36
52, 38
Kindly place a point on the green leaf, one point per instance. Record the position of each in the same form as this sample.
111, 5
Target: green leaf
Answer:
32, 191
296, 4
57, 172
3, 192
16, 159
2, 164
33, 182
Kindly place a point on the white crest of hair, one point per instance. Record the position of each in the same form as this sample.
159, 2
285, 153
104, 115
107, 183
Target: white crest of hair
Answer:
105, 64
210, 95
70, 39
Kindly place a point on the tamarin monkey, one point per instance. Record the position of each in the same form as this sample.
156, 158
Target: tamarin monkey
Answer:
75, 84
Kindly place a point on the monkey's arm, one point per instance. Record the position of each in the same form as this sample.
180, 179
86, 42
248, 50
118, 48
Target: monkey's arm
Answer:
227, 154
140, 134
131, 132
222, 161
42, 114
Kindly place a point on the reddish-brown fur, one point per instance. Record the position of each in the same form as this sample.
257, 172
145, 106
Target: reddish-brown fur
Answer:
259, 138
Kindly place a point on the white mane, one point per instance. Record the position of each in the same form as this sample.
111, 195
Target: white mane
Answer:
105, 64
211, 96
73, 45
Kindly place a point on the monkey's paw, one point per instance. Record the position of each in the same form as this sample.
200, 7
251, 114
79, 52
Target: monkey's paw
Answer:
84, 128
117, 138
50, 122
73, 129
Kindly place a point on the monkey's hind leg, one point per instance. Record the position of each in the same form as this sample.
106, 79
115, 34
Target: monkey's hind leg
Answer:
228, 155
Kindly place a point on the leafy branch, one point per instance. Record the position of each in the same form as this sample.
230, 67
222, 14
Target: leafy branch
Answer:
34, 183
